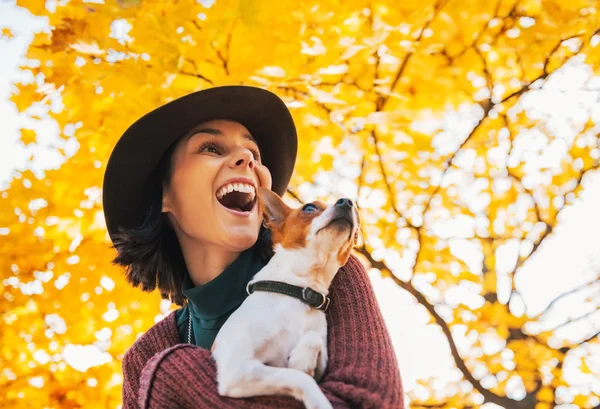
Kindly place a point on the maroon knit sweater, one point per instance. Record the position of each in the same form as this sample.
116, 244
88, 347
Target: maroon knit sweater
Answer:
161, 372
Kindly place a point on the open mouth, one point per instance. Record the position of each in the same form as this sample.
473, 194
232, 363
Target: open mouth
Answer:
239, 201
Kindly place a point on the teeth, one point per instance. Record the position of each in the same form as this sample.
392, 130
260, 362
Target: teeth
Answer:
239, 187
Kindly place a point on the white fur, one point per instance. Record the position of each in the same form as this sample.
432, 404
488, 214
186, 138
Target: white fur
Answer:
274, 343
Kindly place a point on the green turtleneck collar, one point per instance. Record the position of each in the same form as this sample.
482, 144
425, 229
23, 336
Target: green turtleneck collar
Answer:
212, 303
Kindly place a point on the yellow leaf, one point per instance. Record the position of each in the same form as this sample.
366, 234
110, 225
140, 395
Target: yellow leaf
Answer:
36, 7
6, 33
584, 366
28, 136
546, 394
26, 95
580, 401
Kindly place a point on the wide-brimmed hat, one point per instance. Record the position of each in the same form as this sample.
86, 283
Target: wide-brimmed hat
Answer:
141, 147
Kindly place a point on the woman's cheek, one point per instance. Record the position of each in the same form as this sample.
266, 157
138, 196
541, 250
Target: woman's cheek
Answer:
264, 176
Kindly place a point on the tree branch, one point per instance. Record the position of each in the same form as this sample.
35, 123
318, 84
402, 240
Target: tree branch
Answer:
573, 319
294, 195
563, 295
488, 395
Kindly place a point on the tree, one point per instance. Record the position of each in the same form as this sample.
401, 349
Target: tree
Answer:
371, 85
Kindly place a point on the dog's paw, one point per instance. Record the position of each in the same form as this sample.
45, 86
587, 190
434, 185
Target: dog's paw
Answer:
302, 364
306, 356
317, 400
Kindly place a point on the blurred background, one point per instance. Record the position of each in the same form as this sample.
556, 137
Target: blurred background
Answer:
466, 131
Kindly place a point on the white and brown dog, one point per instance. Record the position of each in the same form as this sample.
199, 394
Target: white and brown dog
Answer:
276, 341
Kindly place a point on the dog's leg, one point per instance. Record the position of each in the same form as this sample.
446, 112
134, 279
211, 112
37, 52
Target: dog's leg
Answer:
321, 361
308, 355
253, 378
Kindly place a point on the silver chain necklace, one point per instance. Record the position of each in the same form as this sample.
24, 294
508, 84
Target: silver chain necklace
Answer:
189, 325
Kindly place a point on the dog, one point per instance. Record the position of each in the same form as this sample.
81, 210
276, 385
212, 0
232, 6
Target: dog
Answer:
276, 342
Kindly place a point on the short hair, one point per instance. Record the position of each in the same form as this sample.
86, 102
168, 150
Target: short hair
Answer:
151, 253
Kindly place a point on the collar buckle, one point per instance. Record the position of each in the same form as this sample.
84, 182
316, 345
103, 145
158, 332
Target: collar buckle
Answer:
309, 295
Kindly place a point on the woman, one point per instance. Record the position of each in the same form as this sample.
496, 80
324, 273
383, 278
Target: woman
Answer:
174, 229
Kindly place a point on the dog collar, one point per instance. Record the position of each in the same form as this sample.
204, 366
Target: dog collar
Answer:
305, 294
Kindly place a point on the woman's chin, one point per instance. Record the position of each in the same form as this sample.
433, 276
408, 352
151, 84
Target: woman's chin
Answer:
241, 238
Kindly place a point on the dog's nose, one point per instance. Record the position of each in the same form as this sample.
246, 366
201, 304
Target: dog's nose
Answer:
344, 203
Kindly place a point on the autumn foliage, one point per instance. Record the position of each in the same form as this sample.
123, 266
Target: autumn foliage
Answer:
412, 108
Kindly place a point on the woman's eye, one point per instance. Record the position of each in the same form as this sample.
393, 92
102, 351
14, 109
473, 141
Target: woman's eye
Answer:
210, 147
309, 208
256, 154
214, 147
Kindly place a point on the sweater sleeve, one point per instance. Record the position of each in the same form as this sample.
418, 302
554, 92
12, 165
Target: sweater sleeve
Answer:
131, 383
362, 370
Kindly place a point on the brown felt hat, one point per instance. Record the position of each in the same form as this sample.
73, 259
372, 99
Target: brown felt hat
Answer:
143, 144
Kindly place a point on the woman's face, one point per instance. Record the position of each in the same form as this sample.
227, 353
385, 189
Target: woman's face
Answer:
203, 163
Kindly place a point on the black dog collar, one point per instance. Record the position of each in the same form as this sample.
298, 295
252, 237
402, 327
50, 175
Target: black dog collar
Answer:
305, 294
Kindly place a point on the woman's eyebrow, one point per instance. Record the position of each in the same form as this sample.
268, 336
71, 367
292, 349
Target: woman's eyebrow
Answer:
216, 132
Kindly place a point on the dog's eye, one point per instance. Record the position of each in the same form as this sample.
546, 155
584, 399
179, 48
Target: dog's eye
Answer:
309, 207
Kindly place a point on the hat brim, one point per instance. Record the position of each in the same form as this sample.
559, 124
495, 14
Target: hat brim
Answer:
143, 144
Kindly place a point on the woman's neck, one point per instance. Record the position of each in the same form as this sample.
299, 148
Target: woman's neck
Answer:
205, 262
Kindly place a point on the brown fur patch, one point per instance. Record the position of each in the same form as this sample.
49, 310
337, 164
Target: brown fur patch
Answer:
294, 230
344, 253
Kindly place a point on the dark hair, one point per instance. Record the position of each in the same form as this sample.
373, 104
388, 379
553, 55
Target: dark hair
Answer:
151, 252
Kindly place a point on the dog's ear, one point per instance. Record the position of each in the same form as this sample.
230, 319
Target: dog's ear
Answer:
272, 207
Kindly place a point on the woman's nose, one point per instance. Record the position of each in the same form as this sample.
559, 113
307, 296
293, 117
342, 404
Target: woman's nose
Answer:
244, 158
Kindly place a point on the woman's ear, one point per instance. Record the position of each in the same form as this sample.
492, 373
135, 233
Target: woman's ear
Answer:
166, 201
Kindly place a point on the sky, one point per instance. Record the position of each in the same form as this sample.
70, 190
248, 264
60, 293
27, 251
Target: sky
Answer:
567, 259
